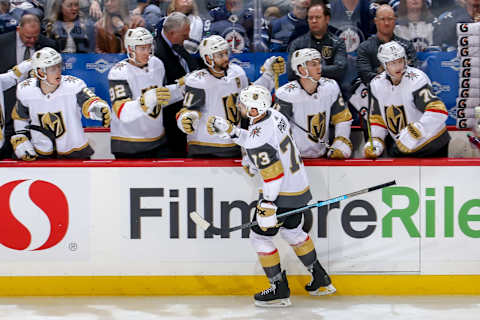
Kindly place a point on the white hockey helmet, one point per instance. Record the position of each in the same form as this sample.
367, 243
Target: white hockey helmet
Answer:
44, 58
137, 37
390, 51
255, 97
301, 57
211, 45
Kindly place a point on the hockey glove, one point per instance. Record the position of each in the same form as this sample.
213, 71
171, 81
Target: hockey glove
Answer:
220, 127
274, 65
340, 149
377, 151
266, 213
410, 137
153, 97
248, 166
22, 68
23, 147
187, 120
99, 110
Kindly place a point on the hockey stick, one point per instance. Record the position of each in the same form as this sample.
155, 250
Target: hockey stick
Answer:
369, 128
210, 228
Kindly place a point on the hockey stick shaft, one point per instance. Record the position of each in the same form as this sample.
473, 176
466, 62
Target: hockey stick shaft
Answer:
209, 228
369, 128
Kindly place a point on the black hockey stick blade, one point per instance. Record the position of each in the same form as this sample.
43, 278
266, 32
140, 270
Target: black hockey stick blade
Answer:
210, 228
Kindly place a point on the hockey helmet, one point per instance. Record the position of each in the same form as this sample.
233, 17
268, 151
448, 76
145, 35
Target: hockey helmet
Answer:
390, 51
137, 37
211, 45
44, 58
255, 97
301, 57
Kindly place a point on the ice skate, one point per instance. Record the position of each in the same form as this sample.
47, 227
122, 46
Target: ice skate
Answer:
278, 295
321, 284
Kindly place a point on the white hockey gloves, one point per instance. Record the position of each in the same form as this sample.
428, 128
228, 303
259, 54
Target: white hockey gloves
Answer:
23, 147
274, 66
153, 97
220, 127
248, 166
266, 213
410, 137
99, 110
187, 120
378, 147
341, 148
22, 68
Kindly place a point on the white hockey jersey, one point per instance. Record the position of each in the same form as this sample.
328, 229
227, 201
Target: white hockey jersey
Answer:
313, 113
410, 112
213, 96
271, 148
127, 82
59, 112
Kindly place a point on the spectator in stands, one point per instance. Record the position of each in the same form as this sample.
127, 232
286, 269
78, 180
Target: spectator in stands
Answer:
8, 21
332, 49
444, 34
178, 62
72, 32
110, 29
284, 6
35, 7
88, 9
150, 12
438, 7
234, 22
272, 13
367, 63
290, 26
190, 9
415, 23
18, 46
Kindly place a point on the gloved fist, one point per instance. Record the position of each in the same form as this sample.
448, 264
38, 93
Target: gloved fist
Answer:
341, 148
410, 137
274, 66
266, 213
153, 97
99, 110
248, 166
22, 68
23, 147
187, 120
220, 127
377, 151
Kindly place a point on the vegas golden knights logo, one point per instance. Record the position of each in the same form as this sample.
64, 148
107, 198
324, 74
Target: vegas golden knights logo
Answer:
53, 121
396, 118
316, 126
231, 112
155, 112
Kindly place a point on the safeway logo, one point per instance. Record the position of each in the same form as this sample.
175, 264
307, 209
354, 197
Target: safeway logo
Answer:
33, 214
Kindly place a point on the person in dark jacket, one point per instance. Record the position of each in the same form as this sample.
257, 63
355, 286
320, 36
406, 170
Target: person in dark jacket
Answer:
332, 48
72, 32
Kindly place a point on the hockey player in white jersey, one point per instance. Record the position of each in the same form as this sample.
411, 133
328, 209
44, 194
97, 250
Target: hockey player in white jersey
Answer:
213, 91
54, 104
405, 107
272, 152
8, 80
312, 103
138, 97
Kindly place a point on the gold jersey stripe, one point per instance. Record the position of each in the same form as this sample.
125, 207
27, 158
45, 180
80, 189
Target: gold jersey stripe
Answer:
137, 139
404, 149
304, 248
269, 260
436, 105
117, 104
211, 144
16, 71
342, 116
43, 153
16, 116
272, 171
377, 119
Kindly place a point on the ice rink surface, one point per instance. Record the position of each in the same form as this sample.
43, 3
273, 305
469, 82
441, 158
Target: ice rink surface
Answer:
240, 307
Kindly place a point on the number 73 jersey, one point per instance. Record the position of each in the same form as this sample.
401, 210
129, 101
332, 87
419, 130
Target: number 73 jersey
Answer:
271, 149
